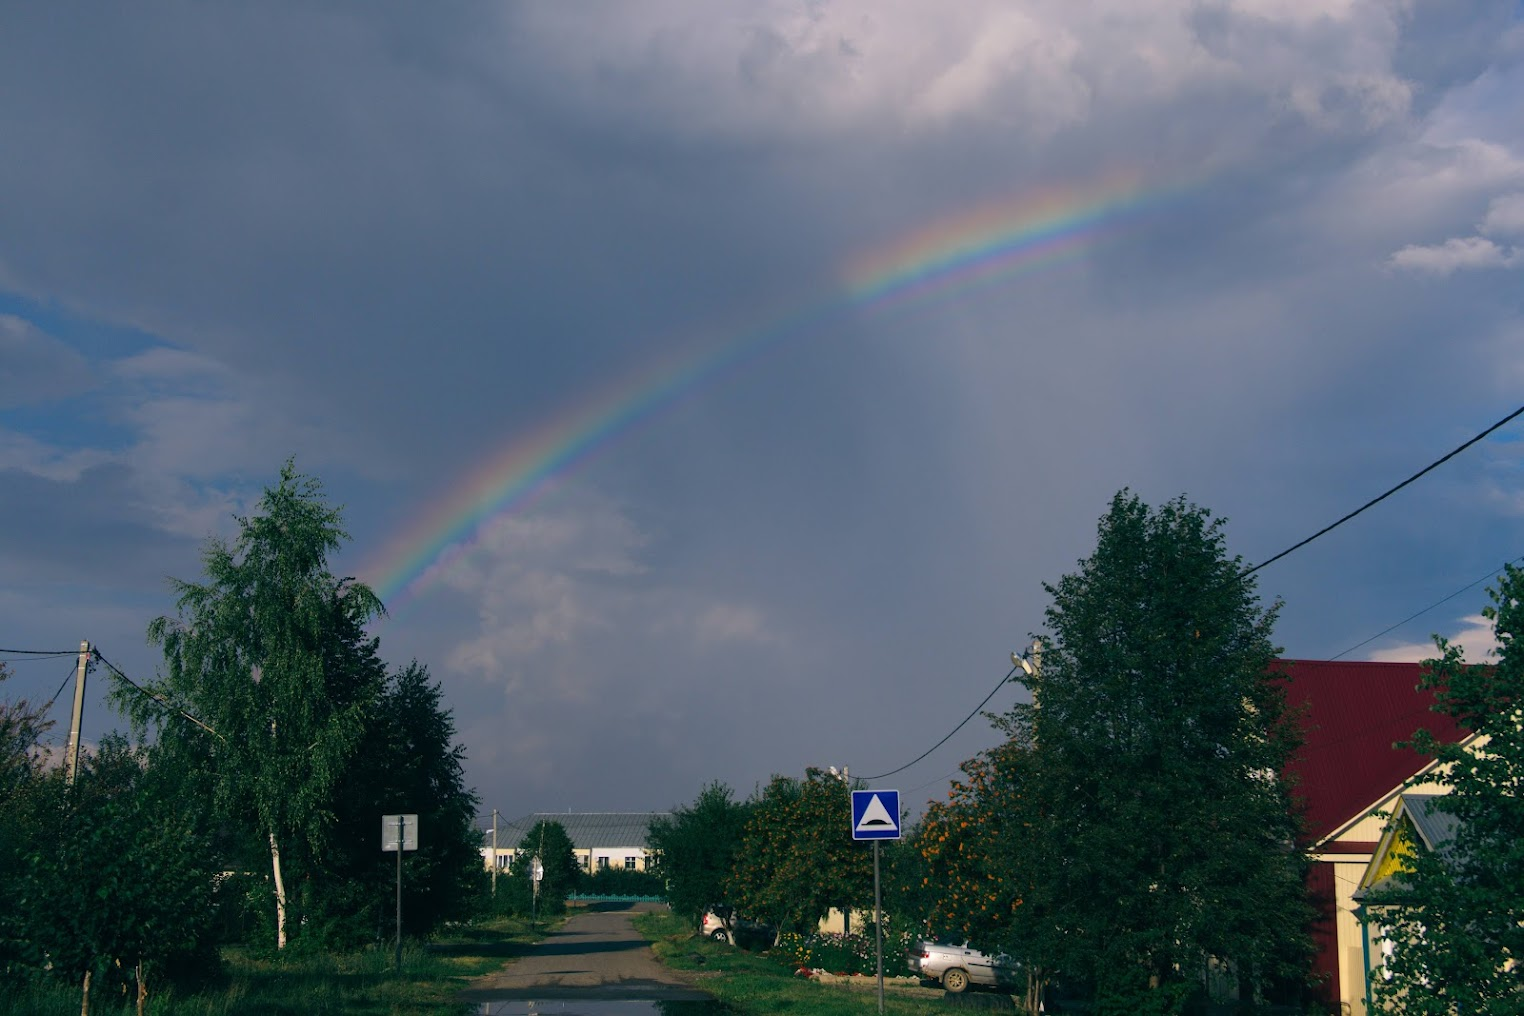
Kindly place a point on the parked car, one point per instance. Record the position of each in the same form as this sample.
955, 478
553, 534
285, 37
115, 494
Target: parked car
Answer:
714, 925
957, 966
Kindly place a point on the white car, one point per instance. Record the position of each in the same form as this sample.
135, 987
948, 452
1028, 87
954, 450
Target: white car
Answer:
713, 925
958, 965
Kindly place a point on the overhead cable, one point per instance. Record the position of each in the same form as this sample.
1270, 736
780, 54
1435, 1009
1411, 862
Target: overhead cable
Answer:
950, 733
1382, 497
1436, 603
1271, 560
153, 695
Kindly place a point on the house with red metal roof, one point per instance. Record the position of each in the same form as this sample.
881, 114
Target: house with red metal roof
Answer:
1348, 771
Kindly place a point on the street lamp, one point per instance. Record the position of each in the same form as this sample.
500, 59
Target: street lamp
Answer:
1030, 661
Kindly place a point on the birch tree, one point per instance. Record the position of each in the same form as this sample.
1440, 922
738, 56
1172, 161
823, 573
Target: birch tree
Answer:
269, 651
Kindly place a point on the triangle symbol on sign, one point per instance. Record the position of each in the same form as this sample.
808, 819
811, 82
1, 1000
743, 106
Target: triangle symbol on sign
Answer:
876, 816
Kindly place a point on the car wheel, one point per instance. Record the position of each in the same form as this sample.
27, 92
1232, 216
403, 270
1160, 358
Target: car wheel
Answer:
955, 981
720, 936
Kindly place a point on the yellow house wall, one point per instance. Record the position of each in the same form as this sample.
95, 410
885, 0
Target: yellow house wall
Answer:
1351, 944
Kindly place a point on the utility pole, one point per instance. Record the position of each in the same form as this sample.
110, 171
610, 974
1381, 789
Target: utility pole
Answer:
71, 754
494, 852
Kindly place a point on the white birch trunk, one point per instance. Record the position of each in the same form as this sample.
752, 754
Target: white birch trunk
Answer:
280, 895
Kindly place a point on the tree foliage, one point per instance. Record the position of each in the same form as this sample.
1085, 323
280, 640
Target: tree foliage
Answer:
121, 874
797, 857
1160, 832
276, 700
695, 848
108, 875
548, 840
1457, 915
974, 848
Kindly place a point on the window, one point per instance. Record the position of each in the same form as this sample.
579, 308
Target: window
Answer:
587, 859
629, 864
603, 864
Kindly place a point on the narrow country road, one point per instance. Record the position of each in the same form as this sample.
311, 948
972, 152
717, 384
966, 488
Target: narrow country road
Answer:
596, 955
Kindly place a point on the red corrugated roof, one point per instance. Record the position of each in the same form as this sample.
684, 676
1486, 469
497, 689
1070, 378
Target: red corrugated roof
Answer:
1355, 714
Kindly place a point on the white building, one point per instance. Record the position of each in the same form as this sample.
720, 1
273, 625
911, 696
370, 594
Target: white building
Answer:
600, 839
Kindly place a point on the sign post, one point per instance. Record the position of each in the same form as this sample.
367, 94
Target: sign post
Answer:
536, 875
399, 833
876, 816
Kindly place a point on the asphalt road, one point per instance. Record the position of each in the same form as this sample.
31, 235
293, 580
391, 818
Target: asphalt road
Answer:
596, 955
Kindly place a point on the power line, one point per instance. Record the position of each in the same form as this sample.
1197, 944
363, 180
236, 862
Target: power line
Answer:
950, 733
67, 678
1382, 497
1436, 603
39, 653
1269, 561
95, 651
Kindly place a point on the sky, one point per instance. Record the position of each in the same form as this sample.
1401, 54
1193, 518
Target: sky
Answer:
711, 388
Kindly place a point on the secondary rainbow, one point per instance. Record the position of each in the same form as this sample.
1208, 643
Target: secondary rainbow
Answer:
981, 246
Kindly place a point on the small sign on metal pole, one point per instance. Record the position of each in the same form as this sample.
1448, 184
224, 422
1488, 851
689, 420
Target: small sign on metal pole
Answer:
389, 836
399, 833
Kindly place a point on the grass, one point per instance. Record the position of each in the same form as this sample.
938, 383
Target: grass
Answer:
314, 984
754, 984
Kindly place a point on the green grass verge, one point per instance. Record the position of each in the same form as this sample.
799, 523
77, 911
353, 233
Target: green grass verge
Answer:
315, 984
754, 984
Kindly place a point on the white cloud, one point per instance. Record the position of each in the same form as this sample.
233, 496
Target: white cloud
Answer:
1453, 255
1475, 637
1505, 216
26, 454
786, 67
35, 367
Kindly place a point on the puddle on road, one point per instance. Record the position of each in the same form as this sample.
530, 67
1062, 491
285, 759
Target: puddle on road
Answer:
602, 1007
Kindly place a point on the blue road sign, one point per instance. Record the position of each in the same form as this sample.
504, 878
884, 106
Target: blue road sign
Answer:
875, 814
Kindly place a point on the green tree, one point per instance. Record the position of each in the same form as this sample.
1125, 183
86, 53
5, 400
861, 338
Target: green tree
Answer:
548, 841
407, 762
973, 849
21, 779
120, 876
797, 857
1457, 915
695, 848
1161, 834
270, 654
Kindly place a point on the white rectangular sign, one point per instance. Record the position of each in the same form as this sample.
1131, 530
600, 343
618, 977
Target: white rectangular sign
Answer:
389, 831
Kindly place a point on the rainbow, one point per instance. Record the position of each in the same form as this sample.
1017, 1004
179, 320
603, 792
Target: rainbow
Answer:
984, 245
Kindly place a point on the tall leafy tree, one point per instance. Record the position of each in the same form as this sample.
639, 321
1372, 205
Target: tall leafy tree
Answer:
548, 840
695, 848
797, 856
270, 653
1161, 832
1457, 915
407, 763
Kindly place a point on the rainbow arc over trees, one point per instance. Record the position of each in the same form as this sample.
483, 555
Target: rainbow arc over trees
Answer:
983, 245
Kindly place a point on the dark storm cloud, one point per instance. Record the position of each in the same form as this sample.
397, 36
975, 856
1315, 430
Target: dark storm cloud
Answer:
389, 241
93, 529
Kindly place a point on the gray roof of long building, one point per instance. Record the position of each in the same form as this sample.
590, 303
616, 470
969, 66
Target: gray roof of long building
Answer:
587, 829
